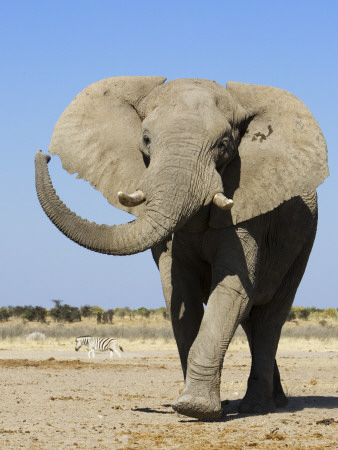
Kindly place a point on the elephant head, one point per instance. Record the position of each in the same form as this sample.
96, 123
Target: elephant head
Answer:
166, 151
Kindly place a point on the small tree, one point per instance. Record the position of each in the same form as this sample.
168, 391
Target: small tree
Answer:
143, 312
120, 312
56, 311
107, 316
110, 315
96, 309
65, 313
86, 311
70, 314
331, 313
17, 311
4, 314
40, 314
28, 314
291, 315
301, 312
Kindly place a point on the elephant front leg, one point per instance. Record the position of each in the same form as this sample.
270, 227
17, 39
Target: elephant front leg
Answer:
186, 309
183, 281
227, 305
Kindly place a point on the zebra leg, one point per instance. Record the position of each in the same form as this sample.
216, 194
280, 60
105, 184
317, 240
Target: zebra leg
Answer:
116, 350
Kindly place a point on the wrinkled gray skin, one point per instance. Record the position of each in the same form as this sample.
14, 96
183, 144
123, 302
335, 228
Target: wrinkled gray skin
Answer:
245, 269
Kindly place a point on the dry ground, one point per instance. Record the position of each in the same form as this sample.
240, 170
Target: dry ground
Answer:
55, 398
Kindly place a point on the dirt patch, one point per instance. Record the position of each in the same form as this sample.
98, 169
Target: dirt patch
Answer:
52, 363
56, 400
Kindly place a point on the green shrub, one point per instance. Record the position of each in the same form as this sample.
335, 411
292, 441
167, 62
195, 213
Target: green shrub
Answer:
301, 312
143, 312
291, 315
65, 313
96, 309
331, 313
4, 314
86, 311
107, 316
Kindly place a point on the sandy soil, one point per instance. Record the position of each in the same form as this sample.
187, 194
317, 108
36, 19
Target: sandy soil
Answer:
60, 399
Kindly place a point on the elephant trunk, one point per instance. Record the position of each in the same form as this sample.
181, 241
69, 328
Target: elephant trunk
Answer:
174, 188
125, 239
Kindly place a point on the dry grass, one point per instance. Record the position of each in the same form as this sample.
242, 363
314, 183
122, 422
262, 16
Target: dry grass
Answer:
155, 333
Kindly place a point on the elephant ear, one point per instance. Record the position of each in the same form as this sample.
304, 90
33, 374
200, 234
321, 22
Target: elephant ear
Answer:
98, 135
282, 153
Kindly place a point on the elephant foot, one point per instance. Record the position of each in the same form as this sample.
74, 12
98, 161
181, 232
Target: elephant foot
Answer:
252, 404
280, 399
203, 406
260, 400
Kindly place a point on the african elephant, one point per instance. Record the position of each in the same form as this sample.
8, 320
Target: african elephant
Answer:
223, 184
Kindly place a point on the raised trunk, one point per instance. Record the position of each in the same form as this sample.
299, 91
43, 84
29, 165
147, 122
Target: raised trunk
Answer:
125, 239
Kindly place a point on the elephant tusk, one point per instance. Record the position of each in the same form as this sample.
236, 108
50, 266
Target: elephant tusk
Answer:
134, 199
223, 202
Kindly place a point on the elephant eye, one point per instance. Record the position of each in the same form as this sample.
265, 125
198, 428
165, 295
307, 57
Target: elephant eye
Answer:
224, 144
145, 149
146, 140
224, 150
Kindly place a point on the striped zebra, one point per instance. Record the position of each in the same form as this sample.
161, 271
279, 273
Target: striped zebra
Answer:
99, 344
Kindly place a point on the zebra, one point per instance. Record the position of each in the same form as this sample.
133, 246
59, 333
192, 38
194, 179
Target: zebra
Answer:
100, 344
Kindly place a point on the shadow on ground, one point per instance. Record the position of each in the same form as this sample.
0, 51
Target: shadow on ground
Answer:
230, 408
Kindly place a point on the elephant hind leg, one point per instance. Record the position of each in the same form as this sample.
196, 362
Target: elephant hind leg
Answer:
263, 327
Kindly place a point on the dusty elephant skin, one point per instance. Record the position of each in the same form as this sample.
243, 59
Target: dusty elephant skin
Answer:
223, 182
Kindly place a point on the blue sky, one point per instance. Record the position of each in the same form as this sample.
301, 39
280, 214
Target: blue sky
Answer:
50, 51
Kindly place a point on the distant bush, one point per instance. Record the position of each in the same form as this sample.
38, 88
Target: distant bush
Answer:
86, 311
331, 313
65, 313
30, 313
17, 311
35, 314
94, 310
4, 314
305, 313
163, 312
143, 312
107, 316
124, 312
291, 315
301, 312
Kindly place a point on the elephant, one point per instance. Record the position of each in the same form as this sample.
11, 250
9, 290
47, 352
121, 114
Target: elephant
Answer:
222, 181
